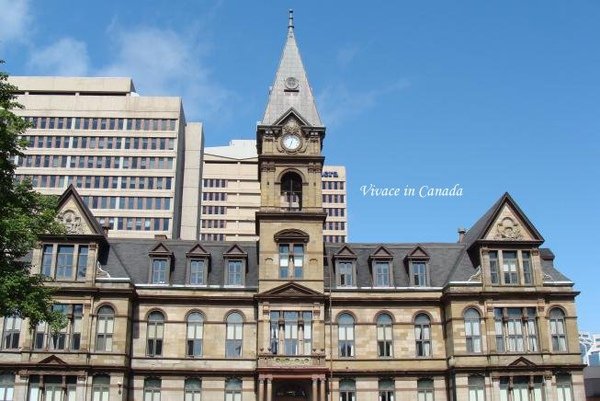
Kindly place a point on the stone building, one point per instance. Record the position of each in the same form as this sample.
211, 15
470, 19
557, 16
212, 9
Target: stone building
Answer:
289, 317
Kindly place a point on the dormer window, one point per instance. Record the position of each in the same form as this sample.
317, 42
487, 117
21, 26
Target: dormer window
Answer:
235, 266
197, 265
418, 273
381, 267
511, 267
159, 271
291, 192
65, 262
160, 264
346, 277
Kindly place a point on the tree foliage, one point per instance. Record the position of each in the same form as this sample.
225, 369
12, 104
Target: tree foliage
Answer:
24, 214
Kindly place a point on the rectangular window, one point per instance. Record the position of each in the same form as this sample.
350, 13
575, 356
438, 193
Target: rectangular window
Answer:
159, 271
47, 257
82, 260
516, 330
419, 273
382, 274
345, 274
64, 262
527, 271
494, 277
197, 271
234, 272
509, 267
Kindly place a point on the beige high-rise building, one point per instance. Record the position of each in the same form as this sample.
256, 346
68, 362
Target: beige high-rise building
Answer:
126, 154
231, 195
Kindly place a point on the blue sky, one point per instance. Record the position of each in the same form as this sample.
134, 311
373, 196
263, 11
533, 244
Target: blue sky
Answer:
493, 96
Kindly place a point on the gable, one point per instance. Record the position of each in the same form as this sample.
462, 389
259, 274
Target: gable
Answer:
76, 216
289, 291
509, 226
381, 252
345, 252
160, 249
235, 250
197, 250
291, 117
522, 361
418, 252
52, 360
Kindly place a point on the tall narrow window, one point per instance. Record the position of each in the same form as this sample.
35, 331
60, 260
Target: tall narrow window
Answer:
155, 334
195, 326
494, 277
473, 330
527, 270
386, 390
159, 271
425, 390
7, 386
193, 389
419, 273
233, 342
291, 332
291, 192
291, 261
12, 332
100, 387
47, 260
384, 336
64, 262
564, 387
345, 274
557, 330
476, 388
152, 389
382, 274
82, 260
105, 328
233, 390
197, 272
347, 390
423, 335
509, 267
235, 272
346, 336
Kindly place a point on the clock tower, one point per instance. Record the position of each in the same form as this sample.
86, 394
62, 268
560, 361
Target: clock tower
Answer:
289, 141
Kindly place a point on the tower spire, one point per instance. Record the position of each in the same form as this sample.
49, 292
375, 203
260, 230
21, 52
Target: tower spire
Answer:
291, 23
291, 89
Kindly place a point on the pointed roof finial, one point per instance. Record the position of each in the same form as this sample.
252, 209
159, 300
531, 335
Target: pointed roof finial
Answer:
291, 23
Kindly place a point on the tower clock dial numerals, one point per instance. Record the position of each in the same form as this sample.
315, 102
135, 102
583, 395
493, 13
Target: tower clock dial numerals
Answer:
291, 142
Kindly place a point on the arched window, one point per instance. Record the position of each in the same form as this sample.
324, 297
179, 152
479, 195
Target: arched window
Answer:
156, 327
11, 332
476, 388
7, 386
104, 328
233, 342
195, 325
347, 390
193, 389
152, 389
384, 336
386, 390
100, 387
423, 335
291, 191
473, 330
346, 335
558, 330
233, 390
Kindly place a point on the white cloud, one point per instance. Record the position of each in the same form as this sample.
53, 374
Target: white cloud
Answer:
338, 103
65, 57
15, 20
164, 62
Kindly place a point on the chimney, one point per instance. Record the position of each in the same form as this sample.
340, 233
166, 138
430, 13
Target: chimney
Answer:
461, 234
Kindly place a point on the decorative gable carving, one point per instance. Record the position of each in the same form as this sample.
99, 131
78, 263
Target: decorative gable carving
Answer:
52, 360
75, 215
508, 226
522, 361
381, 253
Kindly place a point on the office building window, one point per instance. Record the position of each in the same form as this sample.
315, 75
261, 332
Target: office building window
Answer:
233, 390
385, 347
195, 328
152, 389
155, 334
105, 328
347, 390
516, 330
386, 390
425, 390
234, 335
193, 390
558, 330
100, 388
345, 336
11, 332
423, 335
472, 330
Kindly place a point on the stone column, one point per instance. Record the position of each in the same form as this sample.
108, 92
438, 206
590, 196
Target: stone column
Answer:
314, 389
269, 389
323, 388
261, 389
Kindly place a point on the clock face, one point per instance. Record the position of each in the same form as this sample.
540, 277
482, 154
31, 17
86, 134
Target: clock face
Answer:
291, 142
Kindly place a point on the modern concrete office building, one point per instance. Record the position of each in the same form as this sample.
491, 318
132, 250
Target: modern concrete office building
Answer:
231, 195
289, 317
127, 155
